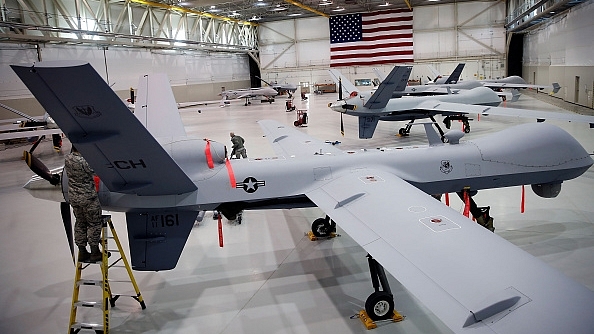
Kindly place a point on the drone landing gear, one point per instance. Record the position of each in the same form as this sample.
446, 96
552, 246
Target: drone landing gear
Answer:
405, 131
247, 101
322, 228
380, 304
464, 119
480, 214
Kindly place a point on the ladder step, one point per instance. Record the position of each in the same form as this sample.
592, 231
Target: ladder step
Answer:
86, 325
90, 282
82, 303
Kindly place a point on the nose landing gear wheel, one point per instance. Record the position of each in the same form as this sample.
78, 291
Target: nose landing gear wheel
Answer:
380, 306
321, 228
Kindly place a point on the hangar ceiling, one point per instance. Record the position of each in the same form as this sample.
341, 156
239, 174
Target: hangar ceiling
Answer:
217, 25
276, 10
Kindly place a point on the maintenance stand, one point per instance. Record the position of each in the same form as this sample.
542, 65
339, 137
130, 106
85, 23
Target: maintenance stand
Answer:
108, 298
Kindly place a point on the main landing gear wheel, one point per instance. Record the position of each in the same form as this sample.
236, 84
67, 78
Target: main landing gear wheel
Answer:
321, 228
466, 127
380, 306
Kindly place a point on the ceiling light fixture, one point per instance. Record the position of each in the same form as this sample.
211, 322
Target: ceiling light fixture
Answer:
278, 8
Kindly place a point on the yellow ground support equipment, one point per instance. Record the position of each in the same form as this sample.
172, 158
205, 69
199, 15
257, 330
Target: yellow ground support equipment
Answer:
108, 298
370, 324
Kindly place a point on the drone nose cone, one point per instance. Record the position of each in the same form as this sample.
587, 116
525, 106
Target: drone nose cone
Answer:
42, 189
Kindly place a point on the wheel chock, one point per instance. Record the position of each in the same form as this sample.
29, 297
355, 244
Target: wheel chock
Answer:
370, 324
397, 317
312, 237
366, 320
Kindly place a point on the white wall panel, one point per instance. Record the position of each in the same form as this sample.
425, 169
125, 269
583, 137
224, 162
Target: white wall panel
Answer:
126, 65
563, 51
310, 44
467, 13
434, 17
312, 28
567, 41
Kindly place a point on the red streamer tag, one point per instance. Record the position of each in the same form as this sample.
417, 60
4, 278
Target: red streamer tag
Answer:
230, 172
466, 204
447, 199
220, 231
523, 200
208, 154
96, 180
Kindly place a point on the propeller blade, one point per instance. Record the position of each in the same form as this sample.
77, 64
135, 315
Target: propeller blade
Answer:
341, 125
36, 143
67, 219
40, 169
340, 89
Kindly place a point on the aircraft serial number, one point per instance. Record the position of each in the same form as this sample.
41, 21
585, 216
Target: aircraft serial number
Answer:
123, 164
165, 220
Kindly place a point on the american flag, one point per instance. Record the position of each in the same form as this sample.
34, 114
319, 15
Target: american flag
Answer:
384, 37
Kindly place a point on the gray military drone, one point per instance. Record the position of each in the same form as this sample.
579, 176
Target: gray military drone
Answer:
381, 106
382, 199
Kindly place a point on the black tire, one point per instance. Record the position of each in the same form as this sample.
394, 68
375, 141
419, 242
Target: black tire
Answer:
401, 132
380, 306
320, 228
466, 128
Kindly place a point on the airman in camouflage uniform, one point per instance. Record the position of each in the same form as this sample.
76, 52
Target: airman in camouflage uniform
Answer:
85, 204
238, 148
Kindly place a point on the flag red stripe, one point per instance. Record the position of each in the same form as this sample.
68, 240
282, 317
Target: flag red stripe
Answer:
387, 20
373, 62
375, 54
379, 29
363, 47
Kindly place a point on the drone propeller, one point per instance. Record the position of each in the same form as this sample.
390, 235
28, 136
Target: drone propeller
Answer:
67, 220
40, 169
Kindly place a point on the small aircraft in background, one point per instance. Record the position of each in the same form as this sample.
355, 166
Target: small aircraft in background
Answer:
440, 79
511, 82
281, 88
442, 89
371, 108
516, 82
32, 128
382, 105
381, 198
247, 93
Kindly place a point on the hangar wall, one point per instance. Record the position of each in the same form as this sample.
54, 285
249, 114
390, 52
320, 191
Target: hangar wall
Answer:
444, 35
195, 76
563, 51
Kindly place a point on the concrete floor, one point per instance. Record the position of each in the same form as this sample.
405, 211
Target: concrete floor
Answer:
268, 277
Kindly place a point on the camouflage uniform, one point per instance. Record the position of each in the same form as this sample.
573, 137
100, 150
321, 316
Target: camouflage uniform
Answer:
238, 148
84, 200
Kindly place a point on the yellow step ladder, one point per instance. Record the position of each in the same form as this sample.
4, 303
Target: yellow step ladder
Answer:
108, 299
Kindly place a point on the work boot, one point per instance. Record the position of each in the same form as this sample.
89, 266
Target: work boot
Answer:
83, 254
96, 254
